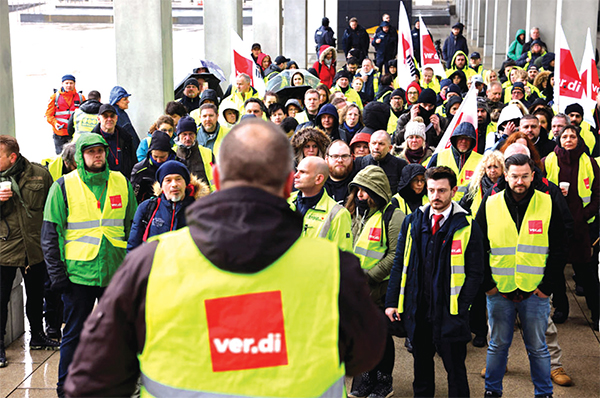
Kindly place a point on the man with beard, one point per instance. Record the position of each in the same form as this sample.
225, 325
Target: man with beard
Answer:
425, 107
341, 170
323, 217
485, 125
494, 99
210, 133
397, 100
191, 95
380, 146
530, 125
198, 159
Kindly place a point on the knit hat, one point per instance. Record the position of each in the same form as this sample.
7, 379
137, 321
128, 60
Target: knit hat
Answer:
414, 128
186, 123
427, 96
574, 108
68, 77
399, 92
160, 141
453, 88
518, 86
482, 104
293, 101
325, 21
444, 83
193, 82
343, 73
172, 167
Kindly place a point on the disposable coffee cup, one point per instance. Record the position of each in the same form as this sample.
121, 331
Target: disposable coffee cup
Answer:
564, 185
5, 185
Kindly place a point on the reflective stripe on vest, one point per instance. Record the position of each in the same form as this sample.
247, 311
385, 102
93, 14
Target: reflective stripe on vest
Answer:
371, 246
458, 247
327, 224
86, 224
585, 176
63, 110
518, 259
84, 122
446, 158
287, 325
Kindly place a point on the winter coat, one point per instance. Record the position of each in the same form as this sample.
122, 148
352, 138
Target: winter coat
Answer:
516, 47
90, 107
447, 328
96, 272
163, 218
375, 117
123, 121
20, 233
432, 138
119, 142
329, 109
452, 44
143, 176
412, 199
460, 158
358, 39
391, 165
326, 73
387, 48
324, 36
190, 104
71, 98
239, 230
544, 145
373, 179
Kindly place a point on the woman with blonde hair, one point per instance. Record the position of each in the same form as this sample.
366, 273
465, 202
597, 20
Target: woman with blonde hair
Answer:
485, 175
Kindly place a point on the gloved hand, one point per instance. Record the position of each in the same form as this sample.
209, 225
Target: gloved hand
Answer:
62, 286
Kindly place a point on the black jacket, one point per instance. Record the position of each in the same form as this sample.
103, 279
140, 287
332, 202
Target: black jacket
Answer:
544, 145
240, 230
90, 106
358, 39
121, 145
391, 165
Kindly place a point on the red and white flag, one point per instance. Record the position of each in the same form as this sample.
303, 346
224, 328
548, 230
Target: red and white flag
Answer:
467, 112
589, 80
567, 83
429, 56
241, 62
406, 64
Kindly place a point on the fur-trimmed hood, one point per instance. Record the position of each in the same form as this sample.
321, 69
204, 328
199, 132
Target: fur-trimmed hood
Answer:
307, 134
200, 188
324, 52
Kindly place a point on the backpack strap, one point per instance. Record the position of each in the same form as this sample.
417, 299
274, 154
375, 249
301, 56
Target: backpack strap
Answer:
149, 216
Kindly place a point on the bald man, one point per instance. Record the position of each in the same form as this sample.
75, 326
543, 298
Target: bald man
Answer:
380, 146
323, 216
239, 296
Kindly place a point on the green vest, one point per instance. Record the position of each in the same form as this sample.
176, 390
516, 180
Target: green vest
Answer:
371, 246
84, 122
87, 224
403, 206
463, 176
328, 220
460, 240
215, 333
585, 176
518, 258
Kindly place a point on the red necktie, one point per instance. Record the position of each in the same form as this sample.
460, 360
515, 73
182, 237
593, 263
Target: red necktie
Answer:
436, 223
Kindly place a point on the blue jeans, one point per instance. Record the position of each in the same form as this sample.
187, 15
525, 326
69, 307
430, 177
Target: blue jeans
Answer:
533, 313
78, 304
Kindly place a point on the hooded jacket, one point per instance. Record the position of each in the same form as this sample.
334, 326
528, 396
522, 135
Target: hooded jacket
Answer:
325, 72
224, 106
375, 117
447, 328
167, 216
329, 109
516, 47
301, 137
91, 107
239, 230
391, 165
412, 199
123, 121
20, 223
374, 180
452, 45
99, 271
463, 129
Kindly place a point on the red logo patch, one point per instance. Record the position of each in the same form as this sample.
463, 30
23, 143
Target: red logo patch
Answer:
456, 247
375, 234
115, 202
468, 174
246, 331
586, 181
535, 227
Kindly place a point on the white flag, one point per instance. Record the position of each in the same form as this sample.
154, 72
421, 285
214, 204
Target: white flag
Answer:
406, 64
589, 80
467, 112
241, 62
429, 55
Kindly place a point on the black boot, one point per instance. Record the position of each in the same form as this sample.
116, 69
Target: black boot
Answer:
384, 388
362, 385
39, 341
3, 362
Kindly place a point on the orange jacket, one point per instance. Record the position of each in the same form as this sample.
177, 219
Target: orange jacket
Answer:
66, 104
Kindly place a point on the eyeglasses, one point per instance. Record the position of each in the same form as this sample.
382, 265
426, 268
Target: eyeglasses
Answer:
343, 157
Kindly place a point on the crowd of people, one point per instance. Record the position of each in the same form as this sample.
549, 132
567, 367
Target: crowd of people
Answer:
453, 242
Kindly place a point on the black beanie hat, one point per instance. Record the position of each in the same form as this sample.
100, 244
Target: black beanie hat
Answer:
399, 92
427, 96
160, 141
193, 82
574, 108
343, 73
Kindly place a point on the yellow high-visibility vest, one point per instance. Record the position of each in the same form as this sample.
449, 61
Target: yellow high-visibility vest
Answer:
446, 158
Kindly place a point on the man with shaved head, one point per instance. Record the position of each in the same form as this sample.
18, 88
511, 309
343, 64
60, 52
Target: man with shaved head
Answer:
239, 296
323, 216
380, 146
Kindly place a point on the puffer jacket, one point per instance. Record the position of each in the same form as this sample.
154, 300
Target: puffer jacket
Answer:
326, 73
19, 233
373, 178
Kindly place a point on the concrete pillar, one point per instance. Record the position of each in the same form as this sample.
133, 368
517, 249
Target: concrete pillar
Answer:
294, 21
266, 19
517, 19
488, 38
473, 23
480, 22
7, 103
15, 326
577, 17
219, 18
542, 13
468, 22
500, 25
315, 12
144, 45
331, 12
